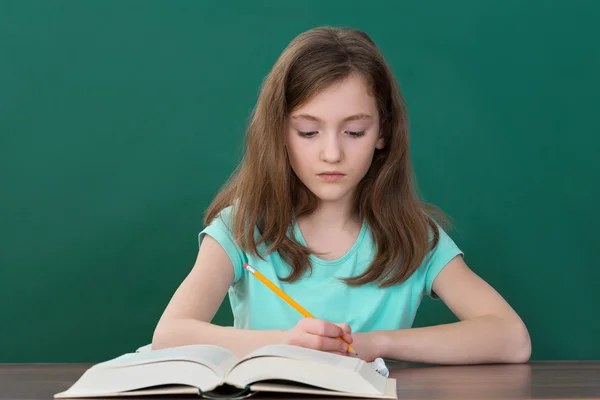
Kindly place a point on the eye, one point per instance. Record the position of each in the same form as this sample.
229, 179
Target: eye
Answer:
307, 134
356, 134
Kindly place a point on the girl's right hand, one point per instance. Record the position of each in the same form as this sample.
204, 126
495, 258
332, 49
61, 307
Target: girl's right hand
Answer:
320, 335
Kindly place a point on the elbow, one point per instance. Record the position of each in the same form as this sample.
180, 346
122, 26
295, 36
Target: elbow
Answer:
175, 332
519, 350
162, 336
524, 353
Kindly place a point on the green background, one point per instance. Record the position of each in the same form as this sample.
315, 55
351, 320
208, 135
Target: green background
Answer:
120, 120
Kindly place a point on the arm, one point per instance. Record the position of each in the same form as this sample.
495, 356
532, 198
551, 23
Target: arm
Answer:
489, 330
186, 320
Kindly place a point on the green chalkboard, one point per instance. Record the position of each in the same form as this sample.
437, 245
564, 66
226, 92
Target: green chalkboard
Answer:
120, 120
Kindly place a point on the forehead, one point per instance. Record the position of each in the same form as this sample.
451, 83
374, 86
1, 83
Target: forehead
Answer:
349, 96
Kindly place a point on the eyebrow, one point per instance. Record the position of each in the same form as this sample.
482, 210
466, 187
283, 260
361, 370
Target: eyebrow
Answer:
354, 117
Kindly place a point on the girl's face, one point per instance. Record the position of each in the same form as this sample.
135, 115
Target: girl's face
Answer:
332, 137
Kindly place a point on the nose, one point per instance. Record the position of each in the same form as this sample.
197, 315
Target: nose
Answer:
331, 150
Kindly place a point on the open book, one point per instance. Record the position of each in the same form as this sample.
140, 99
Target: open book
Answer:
209, 371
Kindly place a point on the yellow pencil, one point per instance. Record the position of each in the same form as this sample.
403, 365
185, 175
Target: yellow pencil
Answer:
285, 297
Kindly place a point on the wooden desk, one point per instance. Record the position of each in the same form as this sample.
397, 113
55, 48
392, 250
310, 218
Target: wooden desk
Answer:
536, 380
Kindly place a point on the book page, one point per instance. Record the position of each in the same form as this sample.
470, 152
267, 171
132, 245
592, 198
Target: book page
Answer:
164, 376
307, 366
302, 353
218, 359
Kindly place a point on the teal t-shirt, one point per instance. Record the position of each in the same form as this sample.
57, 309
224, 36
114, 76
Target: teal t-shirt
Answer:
365, 308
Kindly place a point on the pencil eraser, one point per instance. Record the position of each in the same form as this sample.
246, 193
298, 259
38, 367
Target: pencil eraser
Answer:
380, 367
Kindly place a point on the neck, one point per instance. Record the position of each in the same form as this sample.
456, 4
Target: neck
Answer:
333, 215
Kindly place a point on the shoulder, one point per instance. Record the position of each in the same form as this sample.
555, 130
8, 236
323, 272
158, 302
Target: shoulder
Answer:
224, 217
220, 229
437, 258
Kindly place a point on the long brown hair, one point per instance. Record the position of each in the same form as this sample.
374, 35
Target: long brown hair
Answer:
268, 195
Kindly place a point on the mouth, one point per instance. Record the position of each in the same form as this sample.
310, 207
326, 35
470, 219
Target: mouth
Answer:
331, 176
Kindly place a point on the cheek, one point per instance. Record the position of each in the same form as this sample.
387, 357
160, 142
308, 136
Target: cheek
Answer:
296, 156
362, 157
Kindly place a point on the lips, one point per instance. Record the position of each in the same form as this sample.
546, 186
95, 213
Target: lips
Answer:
331, 175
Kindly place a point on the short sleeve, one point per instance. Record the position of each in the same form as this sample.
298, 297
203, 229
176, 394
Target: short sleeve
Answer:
220, 230
436, 260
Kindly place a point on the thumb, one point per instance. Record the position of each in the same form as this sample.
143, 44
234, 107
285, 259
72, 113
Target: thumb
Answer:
345, 327
347, 331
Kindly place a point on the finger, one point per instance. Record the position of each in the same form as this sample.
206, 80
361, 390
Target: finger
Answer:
321, 328
345, 327
347, 336
324, 343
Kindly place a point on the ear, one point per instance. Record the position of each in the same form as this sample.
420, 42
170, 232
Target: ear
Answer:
380, 144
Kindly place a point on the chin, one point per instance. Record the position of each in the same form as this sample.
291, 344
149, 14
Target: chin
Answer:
331, 194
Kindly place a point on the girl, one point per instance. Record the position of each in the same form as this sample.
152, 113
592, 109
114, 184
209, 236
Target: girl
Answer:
323, 204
